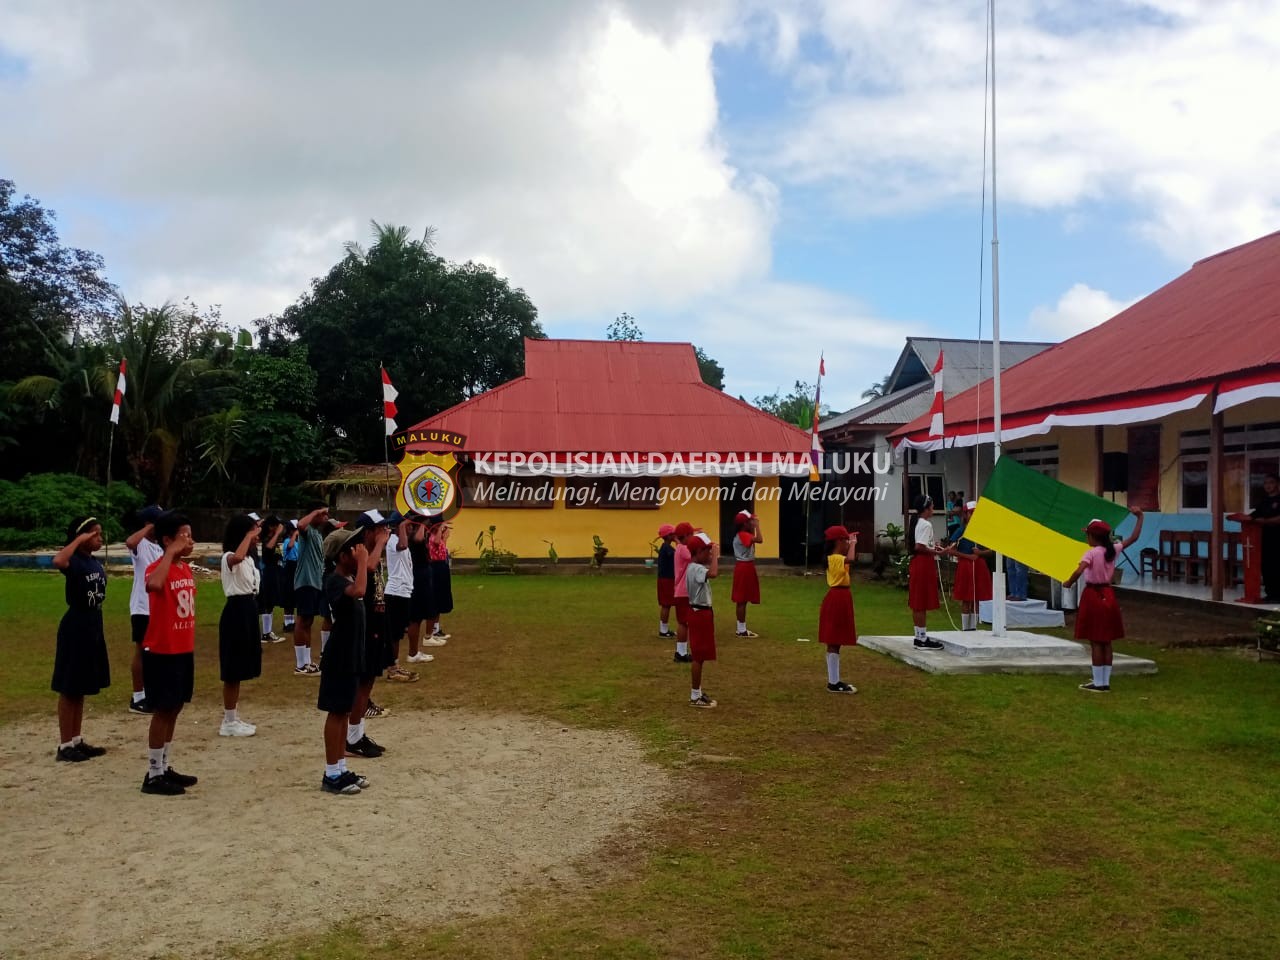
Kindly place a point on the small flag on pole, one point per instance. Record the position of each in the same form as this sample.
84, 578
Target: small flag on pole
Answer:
937, 428
120, 388
815, 443
389, 394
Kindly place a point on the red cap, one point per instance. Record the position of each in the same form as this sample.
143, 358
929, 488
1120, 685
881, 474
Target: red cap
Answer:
1098, 526
683, 529
666, 530
744, 515
836, 533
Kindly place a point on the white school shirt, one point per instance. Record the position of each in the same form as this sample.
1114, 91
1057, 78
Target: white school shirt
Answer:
147, 553
924, 532
242, 579
399, 570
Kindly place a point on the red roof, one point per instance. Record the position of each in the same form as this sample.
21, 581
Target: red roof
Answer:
1217, 325
613, 397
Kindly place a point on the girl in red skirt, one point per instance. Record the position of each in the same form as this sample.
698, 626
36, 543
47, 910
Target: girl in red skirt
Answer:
922, 581
704, 565
746, 584
836, 627
973, 576
1098, 620
666, 580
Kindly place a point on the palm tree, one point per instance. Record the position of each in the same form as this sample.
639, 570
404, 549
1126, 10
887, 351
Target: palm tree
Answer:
878, 389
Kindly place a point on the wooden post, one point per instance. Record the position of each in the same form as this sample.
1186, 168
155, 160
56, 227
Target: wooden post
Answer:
1216, 502
1099, 458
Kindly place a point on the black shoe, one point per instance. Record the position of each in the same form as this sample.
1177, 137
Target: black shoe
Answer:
666, 636
72, 754
1095, 688
91, 751
140, 706
682, 658
181, 779
928, 643
343, 783
841, 687
364, 747
162, 785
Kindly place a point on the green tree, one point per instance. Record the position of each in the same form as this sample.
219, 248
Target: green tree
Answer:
795, 407
624, 327
444, 331
712, 373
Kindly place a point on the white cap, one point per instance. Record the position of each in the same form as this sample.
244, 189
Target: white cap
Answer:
254, 517
700, 535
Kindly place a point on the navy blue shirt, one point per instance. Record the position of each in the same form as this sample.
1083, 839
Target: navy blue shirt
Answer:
86, 586
667, 561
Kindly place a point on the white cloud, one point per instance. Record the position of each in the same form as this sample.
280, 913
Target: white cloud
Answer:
1080, 308
572, 142
1161, 105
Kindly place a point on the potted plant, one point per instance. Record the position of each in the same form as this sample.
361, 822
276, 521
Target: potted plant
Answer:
1268, 629
886, 555
598, 551
652, 559
551, 551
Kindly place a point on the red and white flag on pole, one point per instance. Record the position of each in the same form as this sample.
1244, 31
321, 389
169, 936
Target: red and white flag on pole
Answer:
815, 442
389, 394
120, 388
937, 427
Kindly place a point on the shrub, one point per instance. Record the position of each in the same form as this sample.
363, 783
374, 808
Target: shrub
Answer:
35, 511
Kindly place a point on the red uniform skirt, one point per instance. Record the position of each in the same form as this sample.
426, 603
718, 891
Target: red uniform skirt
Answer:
682, 609
702, 634
1098, 620
746, 583
835, 620
922, 583
666, 591
973, 581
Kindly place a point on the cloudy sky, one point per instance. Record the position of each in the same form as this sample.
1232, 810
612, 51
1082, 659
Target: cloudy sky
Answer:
767, 179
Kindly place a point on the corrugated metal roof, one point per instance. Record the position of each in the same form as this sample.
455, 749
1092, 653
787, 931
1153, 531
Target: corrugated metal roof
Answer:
613, 397
1221, 317
966, 364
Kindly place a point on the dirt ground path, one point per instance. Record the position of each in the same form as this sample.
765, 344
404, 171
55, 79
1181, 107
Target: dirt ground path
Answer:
463, 809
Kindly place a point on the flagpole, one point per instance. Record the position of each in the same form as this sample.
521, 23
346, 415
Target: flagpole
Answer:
815, 456
386, 450
998, 611
106, 541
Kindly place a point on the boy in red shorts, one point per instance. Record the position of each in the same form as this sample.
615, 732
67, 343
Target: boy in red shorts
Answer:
704, 564
168, 650
680, 598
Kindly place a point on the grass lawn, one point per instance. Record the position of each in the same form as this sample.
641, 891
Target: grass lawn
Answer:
949, 817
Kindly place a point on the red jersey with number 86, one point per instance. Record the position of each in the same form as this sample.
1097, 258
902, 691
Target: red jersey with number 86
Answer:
172, 627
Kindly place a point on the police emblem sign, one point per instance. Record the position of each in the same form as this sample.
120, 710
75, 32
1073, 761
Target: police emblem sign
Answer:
429, 485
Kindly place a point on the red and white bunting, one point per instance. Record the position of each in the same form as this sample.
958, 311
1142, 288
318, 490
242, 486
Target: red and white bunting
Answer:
389, 394
937, 427
120, 388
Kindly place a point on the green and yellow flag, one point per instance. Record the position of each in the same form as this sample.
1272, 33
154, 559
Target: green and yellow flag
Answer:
1033, 518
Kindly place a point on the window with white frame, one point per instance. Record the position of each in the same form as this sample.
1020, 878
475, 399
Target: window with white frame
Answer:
1250, 452
1040, 459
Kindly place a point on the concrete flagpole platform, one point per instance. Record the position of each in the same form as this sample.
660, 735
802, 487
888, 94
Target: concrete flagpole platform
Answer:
977, 651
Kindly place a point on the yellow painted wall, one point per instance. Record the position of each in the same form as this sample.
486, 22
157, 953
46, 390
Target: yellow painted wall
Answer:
626, 533
1077, 459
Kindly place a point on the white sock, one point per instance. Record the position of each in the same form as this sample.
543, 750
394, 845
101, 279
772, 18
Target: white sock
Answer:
139, 695
662, 626
155, 762
69, 743
288, 621
833, 667
324, 639
1106, 675
353, 733
77, 740
342, 765
682, 648
229, 715
742, 626
300, 656
695, 693
332, 770
437, 629
1098, 674
266, 624
920, 634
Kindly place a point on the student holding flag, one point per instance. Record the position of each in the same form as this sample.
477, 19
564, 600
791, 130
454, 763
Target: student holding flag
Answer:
922, 577
1098, 620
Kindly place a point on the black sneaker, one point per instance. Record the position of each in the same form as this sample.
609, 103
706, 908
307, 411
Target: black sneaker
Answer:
1095, 688
682, 658
841, 687
928, 643
72, 754
342, 783
704, 702
91, 751
365, 747
140, 706
666, 636
162, 785
361, 782
181, 779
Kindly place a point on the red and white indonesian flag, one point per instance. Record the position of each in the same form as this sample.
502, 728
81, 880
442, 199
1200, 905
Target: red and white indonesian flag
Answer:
389, 394
937, 428
120, 388
815, 442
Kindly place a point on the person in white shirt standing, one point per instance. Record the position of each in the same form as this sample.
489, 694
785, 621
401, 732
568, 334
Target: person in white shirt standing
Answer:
143, 551
398, 594
239, 645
